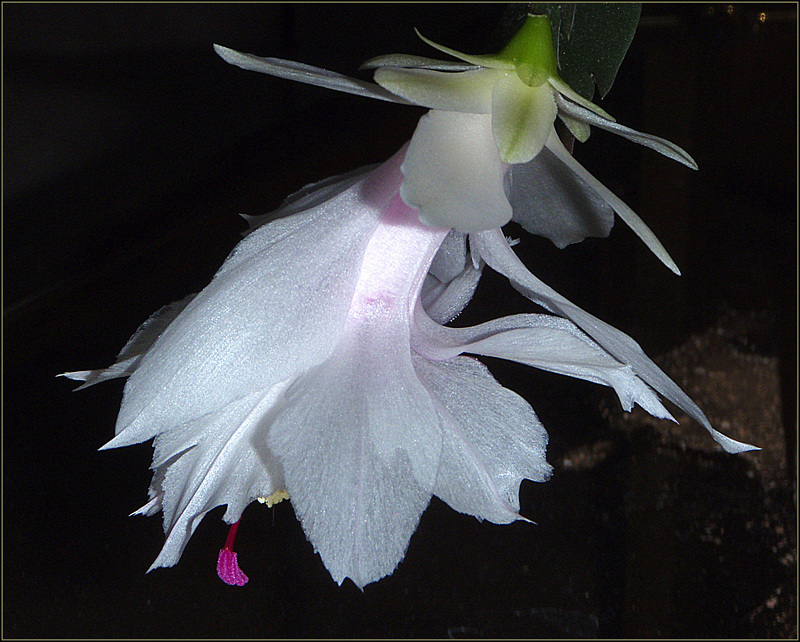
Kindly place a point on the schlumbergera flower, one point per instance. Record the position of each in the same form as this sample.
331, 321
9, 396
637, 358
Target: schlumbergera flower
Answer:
488, 151
317, 366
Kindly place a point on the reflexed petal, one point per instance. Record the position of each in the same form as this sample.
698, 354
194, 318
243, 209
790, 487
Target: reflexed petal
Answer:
453, 174
299, 72
451, 280
565, 90
444, 301
625, 213
544, 342
415, 62
311, 196
451, 257
217, 459
489, 60
493, 248
522, 118
131, 355
249, 328
466, 91
661, 145
553, 202
491, 439
360, 444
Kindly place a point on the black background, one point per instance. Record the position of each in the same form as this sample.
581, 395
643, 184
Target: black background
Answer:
129, 149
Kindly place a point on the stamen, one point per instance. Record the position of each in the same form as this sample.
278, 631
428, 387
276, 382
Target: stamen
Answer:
227, 563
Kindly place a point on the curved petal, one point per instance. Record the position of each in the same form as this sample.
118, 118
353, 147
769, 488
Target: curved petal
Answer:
215, 460
466, 91
444, 301
522, 118
131, 355
564, 89
491, 61
549, 201
494, 249
415, 62
453, 174
310, 196
299, 72
661, 145
630, 217
275, 308
491, 439
360, 443
544, 342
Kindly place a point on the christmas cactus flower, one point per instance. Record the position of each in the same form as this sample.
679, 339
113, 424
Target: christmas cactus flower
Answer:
315, 366
488, 151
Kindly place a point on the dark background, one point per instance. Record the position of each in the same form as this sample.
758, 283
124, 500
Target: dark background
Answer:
130, 148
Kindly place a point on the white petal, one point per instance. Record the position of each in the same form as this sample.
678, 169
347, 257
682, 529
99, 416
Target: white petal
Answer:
310, 196
522, 118
544, 342
491, 61
493, 248
215, 460
625, 213
444, 301
274, 309
661, 145
131, 355
466, 91
306, 74
565, 90
556, 203
415, 62
451, 257
453, 174
491, 440
360, 443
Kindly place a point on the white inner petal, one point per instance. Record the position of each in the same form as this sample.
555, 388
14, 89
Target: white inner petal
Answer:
466, 91
453, 174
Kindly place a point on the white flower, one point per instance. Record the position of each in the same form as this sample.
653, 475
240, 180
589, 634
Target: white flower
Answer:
315, 362
488, 152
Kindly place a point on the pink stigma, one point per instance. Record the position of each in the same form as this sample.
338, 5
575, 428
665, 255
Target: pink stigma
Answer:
227, 564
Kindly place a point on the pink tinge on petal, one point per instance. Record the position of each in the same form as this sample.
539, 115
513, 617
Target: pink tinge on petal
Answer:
228, 569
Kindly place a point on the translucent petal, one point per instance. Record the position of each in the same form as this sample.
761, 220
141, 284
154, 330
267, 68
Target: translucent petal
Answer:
360, 444
554, 202
453, 174
625, 213
490, 61
494, 249
491, 439
522, 118
299, 72
274, 309
415, 62
565, 90
661, 145
310, 196
466, 91
129, 357
215, 460
544, 342
445, 301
